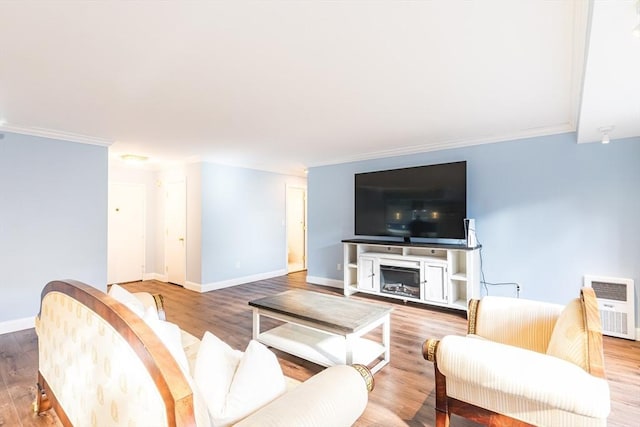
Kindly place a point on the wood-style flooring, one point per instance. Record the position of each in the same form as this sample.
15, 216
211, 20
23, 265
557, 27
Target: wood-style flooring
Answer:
404, 392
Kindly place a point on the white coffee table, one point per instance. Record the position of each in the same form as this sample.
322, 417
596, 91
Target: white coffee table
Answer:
325, 329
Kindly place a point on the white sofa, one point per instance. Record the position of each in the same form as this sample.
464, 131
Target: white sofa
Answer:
100, 363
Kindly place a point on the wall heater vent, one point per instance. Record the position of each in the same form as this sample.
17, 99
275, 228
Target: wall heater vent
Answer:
616, 302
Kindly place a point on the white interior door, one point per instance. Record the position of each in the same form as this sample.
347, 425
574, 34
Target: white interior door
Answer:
126, 233
176, 230
296, 228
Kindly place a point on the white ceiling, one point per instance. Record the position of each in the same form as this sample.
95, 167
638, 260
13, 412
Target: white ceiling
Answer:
285, 85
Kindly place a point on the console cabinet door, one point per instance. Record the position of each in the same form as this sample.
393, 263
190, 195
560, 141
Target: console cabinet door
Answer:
435, 288
368, 274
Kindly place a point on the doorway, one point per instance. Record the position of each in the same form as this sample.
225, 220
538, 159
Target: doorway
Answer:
175, 232
296, 218
126, 232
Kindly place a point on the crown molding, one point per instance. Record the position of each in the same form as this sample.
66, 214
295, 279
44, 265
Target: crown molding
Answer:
56, 134
446, 145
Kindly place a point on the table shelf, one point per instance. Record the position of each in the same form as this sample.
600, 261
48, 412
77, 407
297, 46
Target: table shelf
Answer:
319, 347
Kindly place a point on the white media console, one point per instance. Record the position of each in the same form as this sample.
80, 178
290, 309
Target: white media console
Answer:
436, 274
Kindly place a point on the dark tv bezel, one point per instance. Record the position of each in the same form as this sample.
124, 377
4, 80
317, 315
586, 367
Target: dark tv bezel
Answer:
416, 239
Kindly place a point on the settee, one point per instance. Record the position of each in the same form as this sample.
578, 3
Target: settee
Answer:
101, 363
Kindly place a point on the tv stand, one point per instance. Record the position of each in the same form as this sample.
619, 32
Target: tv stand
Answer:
430, 273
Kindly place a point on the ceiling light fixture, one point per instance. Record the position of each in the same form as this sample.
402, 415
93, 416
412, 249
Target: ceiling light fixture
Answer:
605, 133
134, 158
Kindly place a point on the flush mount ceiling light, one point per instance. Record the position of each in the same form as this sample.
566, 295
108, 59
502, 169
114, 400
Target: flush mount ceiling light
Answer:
605, 133
134, 158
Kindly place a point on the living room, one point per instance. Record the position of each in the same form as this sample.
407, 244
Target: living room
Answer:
548, 210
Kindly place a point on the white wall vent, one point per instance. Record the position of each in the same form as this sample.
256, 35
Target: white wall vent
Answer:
616, 302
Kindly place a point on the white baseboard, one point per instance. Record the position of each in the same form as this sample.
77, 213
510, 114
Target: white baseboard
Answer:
197, 287
17, 325
193, 286
155, 276
325, 282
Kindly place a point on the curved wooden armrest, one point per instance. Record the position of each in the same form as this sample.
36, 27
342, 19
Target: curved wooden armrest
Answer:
472, 315
429, 349
159, 299
366, 375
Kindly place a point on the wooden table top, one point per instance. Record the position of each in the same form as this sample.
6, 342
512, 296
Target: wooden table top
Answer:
336, 312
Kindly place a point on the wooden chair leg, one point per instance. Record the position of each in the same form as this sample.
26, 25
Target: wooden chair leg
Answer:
442, 419
42, 402
442, 406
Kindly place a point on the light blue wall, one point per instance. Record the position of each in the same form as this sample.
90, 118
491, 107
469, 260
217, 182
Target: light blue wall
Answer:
53, 218
243, 222
548, 211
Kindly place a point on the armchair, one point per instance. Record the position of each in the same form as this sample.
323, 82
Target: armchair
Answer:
523, 362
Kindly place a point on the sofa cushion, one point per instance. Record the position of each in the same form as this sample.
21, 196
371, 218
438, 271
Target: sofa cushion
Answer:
125, 297
236, 384
191, 345
475, 369
569, 338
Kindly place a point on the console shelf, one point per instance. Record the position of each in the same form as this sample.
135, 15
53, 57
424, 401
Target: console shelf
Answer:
435, 274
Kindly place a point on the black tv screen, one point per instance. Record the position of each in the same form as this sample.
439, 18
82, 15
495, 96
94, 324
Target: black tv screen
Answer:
426, 201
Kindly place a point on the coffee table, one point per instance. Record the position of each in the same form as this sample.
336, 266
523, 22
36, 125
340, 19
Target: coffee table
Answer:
324, 329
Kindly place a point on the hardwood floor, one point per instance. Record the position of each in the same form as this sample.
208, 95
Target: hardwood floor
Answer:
404, 392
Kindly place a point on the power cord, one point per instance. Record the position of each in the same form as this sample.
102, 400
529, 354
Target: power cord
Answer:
484, 282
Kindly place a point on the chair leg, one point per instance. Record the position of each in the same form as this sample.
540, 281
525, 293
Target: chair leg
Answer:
42, 402
442, 406
442, 419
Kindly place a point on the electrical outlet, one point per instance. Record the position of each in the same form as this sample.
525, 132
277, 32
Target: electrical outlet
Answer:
339, 266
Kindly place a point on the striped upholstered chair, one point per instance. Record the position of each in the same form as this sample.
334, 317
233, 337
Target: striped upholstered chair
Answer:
523, 362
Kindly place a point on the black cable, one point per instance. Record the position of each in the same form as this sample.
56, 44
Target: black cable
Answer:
484, 282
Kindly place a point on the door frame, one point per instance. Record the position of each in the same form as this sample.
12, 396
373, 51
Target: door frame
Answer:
289, 188
183, 255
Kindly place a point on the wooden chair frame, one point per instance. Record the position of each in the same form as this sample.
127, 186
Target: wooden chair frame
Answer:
171, 383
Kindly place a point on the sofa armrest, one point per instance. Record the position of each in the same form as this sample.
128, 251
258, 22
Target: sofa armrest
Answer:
152, 300
336, 396
518, 322
429, 349
523, 374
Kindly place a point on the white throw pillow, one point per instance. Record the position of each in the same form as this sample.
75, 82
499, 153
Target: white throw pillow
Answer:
215, 367
170, 336
125, 297
258, 380
235, 384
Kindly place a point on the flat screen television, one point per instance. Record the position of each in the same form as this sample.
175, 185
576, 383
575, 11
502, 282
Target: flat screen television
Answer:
427, 202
